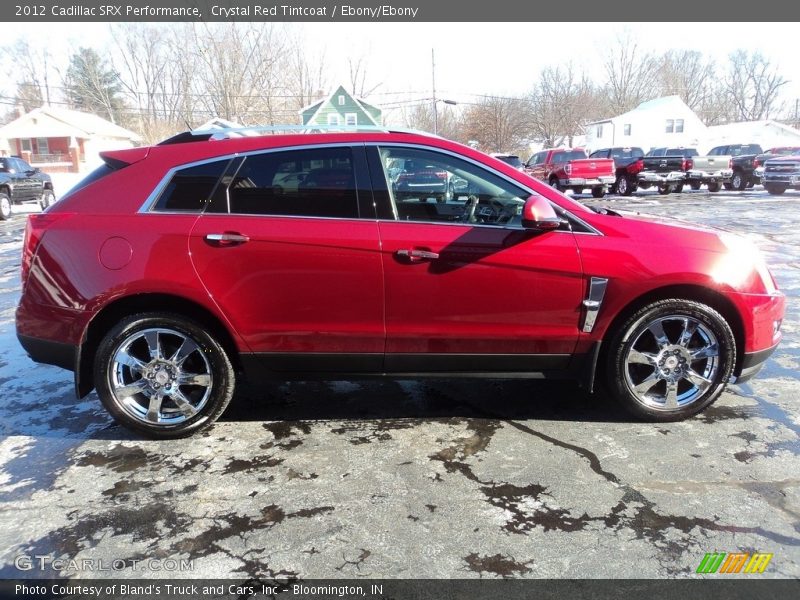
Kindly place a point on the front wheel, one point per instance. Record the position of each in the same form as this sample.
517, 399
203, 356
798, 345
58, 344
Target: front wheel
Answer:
598, 192
5, 207
738, 181
775, 190
624, 186
671, 359
664, 189
554, 184
48, 198
678, 188
163, 375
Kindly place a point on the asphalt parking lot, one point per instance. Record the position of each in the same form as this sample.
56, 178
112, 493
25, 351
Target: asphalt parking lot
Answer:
412, 479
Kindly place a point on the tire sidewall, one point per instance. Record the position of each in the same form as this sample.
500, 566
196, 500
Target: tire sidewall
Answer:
627, 334
219, 363
5, 206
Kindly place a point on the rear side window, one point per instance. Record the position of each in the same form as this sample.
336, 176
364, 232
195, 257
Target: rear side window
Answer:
319, 182
191, 187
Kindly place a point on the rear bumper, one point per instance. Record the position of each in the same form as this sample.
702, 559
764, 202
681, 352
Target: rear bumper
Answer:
652, 177
49, 352
581, 181
710, 176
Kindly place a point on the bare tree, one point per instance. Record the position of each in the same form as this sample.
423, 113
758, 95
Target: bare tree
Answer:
420, 116
32, 69
307, 81
630, 74
753, 85
688, 74
498, 124
561, 103
359, 69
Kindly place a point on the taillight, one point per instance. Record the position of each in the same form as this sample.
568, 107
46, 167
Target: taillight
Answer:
35, 227
756, 163
635, 167
688, 164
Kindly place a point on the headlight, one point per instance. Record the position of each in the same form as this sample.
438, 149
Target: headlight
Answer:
742, 263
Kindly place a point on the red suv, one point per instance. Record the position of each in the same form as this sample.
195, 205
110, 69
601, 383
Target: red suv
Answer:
171, 271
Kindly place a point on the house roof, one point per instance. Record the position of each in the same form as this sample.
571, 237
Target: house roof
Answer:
49, 121
339, 90
751, 128
645, 106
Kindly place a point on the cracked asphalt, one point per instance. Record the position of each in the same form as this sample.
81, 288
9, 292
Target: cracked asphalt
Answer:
413, 479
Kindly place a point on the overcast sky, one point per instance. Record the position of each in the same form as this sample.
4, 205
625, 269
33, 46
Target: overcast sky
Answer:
482, 58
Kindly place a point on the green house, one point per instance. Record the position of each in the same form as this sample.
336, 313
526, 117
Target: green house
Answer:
341, 109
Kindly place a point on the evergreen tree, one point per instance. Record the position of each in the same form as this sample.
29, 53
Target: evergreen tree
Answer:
93, 86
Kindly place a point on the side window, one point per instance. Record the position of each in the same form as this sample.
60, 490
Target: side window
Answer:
304, 183
436, 187
191, 187
601, 154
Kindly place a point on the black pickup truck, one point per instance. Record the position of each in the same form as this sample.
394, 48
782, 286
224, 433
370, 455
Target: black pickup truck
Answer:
743, 163
748, 169
626, 166
666, 168
21, 183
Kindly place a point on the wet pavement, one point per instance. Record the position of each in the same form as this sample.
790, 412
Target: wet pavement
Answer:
411, 479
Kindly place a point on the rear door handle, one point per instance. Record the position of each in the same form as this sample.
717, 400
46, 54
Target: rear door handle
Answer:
228, 238
417, 255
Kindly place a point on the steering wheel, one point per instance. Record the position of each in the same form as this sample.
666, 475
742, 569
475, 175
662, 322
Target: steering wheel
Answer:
469, 208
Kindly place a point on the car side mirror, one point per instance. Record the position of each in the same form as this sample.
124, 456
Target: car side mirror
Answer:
539, 215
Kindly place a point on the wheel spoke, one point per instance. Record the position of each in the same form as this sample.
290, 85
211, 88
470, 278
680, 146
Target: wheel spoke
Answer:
641, 358
125, 358
151, 337
194, 379
154, 408
657, 329
672, 394
689, 328
181, 354
183, 403
710, 351
126, 391
647, 384
701, 382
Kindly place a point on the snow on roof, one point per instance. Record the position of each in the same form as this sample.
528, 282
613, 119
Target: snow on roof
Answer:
665, 101
753, 128
49, 121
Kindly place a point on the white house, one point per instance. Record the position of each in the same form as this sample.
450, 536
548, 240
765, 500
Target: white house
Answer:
664, 121
768, 134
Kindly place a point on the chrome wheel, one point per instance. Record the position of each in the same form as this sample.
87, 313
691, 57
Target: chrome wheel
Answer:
622, 185
672, 362
160, 377
5, 207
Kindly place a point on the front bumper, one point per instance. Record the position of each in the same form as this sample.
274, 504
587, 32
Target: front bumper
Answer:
753, 362
580, 181
660, 178
787, 179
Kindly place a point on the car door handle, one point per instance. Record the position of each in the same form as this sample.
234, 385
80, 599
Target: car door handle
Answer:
228, 238
417, 255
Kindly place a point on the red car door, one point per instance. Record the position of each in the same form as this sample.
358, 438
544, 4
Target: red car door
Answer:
297, 272
467, 289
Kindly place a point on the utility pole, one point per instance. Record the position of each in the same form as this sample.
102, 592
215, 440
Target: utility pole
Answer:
433, 85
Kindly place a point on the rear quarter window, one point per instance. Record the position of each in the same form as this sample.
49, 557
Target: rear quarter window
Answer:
190, 188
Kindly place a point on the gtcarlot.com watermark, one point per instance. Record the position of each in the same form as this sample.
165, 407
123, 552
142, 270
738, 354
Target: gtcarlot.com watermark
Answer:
37, 562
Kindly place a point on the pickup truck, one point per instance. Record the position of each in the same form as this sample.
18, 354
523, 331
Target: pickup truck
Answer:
741, 163
627, 164
571, 169
665, 168
781, 173
20, 183
747, 169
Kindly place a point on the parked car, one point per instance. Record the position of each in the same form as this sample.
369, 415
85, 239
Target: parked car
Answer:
198, 275
782, 173
627, 164
665, 168
511, 159
20, 183
571, 169
757, 165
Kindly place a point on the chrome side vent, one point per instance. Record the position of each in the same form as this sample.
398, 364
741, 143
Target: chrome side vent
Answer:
593, 302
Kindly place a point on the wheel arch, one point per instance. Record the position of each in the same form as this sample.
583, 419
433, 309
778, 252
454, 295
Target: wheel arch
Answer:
113, 312
697, 293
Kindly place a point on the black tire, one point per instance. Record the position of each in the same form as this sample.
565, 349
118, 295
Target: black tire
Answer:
774, 189
598, 192
629, 345
624, 186
714, 187
728, 186
695, 185
678, 188
664, 189
5, 207
739, 181
206, 399
750, 184
554, 184
48, 199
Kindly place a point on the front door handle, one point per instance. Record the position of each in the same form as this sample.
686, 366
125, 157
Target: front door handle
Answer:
417, 255
228, 238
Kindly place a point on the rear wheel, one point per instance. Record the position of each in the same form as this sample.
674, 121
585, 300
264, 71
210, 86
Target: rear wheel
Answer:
598, 192
554, 183
664, 188
163, 375
775, 190
5, 207
739, 181
678, 188
671, 359
713, 187
624, 186
695, 185
48, 198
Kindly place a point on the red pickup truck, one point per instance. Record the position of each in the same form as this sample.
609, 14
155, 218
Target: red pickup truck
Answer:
571, 169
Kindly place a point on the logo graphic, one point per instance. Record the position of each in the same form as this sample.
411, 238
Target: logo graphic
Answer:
737, 562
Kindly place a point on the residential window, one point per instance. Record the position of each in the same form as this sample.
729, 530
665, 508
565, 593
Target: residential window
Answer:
599, 132
670, 126
678, 125
333, 119
626, 129
288, 184
341, 100
351, 119
25, 144
43, 146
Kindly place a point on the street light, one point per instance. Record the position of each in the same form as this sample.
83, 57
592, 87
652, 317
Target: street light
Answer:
436, 112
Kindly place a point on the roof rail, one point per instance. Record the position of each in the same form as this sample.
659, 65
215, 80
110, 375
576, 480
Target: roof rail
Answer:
223, 133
